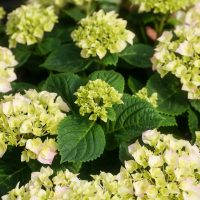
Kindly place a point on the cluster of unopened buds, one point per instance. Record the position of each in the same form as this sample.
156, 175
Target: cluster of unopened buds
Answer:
163, 168
26, 119
95, 98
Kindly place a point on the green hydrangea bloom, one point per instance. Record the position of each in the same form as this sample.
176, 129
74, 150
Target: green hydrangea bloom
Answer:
2, 12
143, 94
178, 52
7, 74
169, 170
28, 23
26, 118
101, 33
95, 98
163, 6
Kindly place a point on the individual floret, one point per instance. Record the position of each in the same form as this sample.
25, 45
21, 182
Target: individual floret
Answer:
101, 33
7, 74
28, 23
95, 98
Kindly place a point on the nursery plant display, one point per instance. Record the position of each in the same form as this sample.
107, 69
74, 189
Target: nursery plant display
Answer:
100, 99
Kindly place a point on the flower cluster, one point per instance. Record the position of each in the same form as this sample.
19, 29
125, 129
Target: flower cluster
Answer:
143, 94
27, 24
178, 52
169, 170
26, 118
101, 33
81, 2
2, 12
95, 98
161, 6
7, 74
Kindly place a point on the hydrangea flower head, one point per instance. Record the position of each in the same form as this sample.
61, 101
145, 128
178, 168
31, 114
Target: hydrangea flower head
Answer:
28, 23
170, 173
101, 33
2, 13
143, 94
95, 98
163, 6
26, 118
178, 53
7, 74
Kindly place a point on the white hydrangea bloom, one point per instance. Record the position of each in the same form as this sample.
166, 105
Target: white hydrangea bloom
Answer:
170, 174
7, 63
26, 118
178, 52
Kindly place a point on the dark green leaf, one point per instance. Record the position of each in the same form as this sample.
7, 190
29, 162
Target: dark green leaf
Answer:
193, 122
168, 120
138, 55
195, 104
21, 86
132, 118
123, 152
22, 54
65, 85
47, 45
66, 58
171, 99
134, 84
12, 171
75, 13
113, 78
110, 59
80, 140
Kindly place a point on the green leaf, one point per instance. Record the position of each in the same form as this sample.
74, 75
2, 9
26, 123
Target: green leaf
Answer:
47, 45
168, 120
123, 152
134, 84
110, 59
193, 122
12, 171
111, 114
171, 99
113, 78
65, 85
75, 13
66, 58
132, 118
21, 86
80, 140
138, 55
195, 104
22, 54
